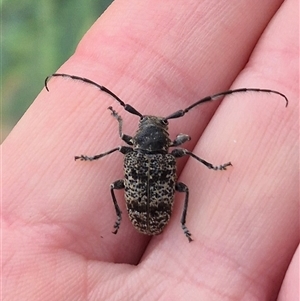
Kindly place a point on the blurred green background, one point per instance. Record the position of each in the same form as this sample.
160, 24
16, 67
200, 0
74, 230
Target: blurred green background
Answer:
37, 37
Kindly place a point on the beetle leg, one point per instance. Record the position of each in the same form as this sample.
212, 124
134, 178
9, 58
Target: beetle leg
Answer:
117, 185
180, 139
122, 149
124, 137
180, 187
178, 153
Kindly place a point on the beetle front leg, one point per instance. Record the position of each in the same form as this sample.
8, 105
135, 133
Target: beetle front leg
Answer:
128, 139
178, 153
180, 187
117, 185
180, 139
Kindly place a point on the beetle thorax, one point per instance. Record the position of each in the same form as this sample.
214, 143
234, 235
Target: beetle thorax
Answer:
152, 135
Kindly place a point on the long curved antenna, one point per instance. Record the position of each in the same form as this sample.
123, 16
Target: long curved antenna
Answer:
181, 113
127, 107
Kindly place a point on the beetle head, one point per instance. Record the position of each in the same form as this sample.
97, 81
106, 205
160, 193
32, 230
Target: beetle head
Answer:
152, 135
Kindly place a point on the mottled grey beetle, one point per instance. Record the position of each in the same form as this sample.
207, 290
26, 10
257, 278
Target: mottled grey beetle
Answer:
150, 178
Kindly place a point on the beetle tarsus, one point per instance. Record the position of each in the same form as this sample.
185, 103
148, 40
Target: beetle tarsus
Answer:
187, 233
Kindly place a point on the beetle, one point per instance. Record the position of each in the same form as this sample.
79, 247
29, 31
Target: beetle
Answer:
150, 179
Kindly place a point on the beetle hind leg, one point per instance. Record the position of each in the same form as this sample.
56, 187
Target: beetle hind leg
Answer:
117, 185
181, 187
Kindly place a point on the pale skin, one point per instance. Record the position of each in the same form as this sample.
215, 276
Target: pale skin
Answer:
57, 214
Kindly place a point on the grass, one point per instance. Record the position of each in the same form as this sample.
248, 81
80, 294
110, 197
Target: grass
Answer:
37, 37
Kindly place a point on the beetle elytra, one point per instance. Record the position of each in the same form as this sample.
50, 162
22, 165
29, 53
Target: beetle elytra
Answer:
150, 179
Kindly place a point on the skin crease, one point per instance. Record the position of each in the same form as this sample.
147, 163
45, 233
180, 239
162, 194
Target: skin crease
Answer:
57, 214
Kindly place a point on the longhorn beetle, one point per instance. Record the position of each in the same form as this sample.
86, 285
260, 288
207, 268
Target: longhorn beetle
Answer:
150, 178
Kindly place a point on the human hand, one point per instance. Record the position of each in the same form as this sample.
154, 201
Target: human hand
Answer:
160, 57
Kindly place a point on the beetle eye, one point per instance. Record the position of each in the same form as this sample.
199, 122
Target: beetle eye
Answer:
164, 122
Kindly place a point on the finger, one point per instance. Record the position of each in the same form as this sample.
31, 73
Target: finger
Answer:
244, 221
290, 286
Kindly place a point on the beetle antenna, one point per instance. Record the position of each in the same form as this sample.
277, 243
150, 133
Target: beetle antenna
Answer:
127, 107
181, 113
